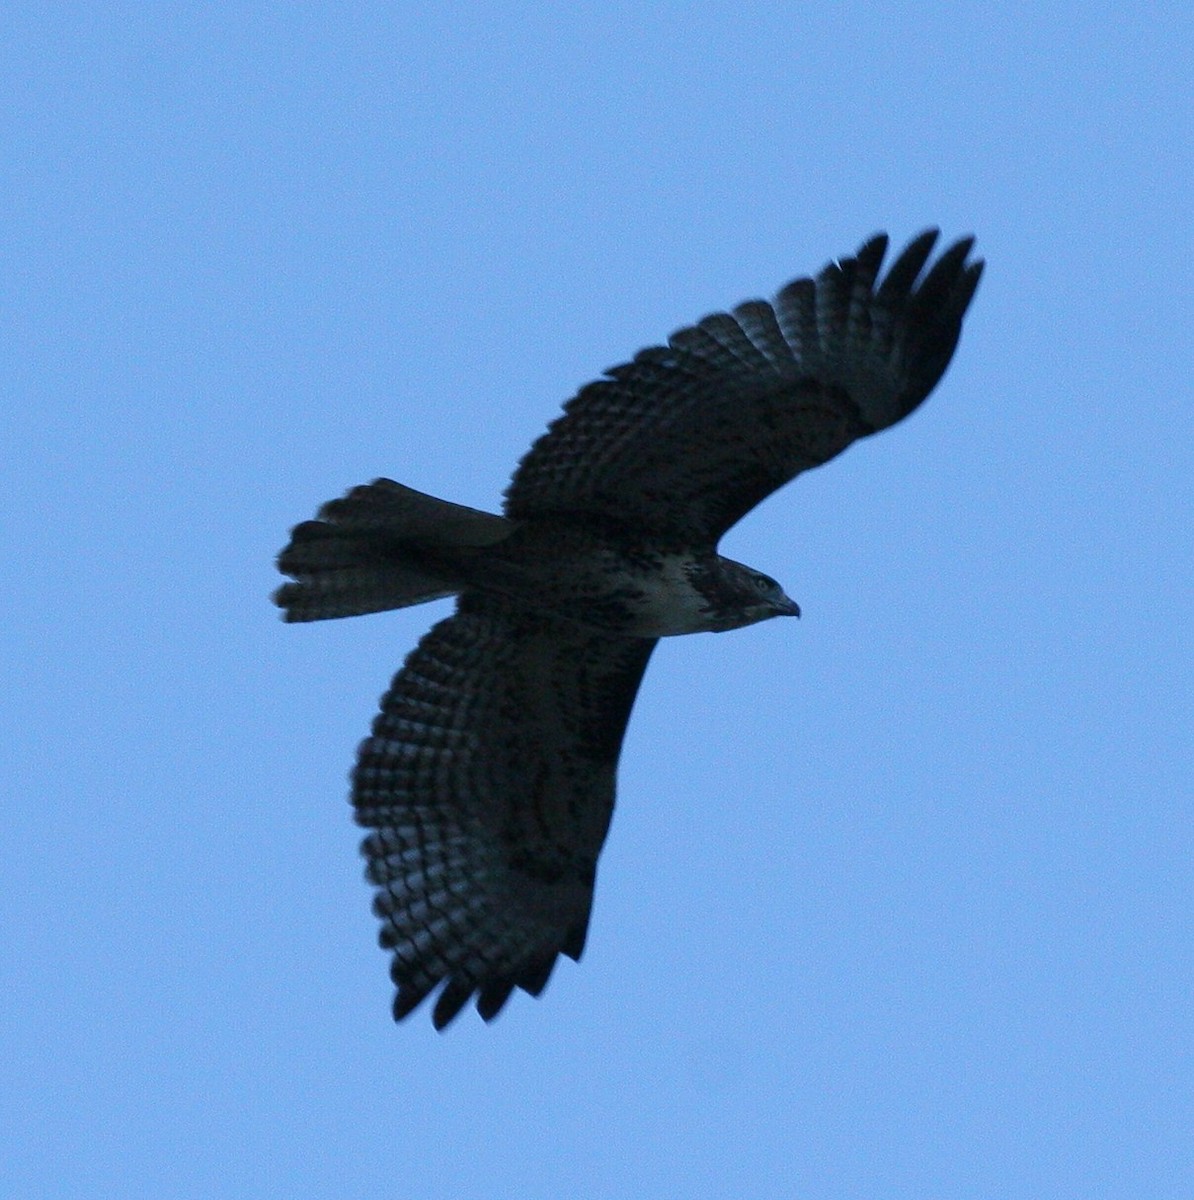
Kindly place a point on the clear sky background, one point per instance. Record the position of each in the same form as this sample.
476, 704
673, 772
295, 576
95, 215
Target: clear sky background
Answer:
897, 900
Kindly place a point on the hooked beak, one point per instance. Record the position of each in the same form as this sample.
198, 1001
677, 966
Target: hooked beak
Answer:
787, 607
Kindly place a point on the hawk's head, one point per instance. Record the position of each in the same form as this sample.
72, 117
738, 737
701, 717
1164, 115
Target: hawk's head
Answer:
736, 595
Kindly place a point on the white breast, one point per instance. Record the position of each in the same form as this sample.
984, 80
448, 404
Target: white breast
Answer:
669, 604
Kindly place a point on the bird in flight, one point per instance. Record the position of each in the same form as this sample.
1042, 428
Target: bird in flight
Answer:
487, 783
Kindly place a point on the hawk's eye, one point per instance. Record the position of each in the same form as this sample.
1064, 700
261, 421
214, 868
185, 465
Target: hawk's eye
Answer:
766, 583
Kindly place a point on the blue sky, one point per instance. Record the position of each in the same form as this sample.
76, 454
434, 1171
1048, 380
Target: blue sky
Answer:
897, 898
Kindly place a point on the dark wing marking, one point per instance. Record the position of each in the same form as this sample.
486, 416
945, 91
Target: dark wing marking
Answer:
488, 784
689, 437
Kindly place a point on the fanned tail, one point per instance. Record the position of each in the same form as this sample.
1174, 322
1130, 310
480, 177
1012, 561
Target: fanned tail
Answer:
382, 546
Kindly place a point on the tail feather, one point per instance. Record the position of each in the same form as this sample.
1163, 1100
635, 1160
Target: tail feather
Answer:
382, 546
401, 511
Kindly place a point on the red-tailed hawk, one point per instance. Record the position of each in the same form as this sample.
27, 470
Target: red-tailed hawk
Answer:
488, 782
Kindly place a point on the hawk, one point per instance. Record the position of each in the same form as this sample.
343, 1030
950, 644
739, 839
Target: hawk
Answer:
487, 784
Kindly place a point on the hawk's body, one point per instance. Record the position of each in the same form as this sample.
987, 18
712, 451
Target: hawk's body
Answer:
488, 782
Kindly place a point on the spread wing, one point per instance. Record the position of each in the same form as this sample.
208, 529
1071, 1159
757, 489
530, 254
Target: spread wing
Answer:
689, 437
488, 784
